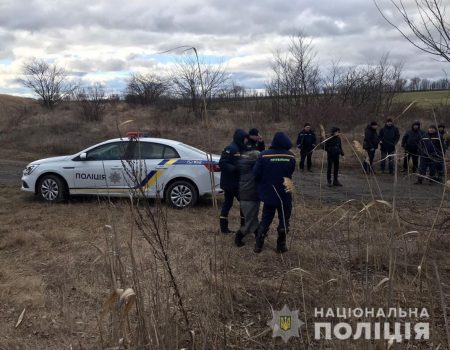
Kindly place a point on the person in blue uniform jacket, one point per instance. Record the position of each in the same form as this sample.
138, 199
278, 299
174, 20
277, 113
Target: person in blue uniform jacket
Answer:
229, 176
270, 169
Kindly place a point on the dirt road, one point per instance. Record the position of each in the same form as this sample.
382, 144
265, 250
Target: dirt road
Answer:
11, 172
313, 186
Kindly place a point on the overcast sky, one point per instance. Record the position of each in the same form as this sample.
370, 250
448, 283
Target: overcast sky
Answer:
104, 40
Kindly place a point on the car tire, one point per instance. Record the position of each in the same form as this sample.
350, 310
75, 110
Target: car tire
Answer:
181, 194
52, 189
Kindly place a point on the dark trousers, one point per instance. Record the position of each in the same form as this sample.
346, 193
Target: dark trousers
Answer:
368, 167
268, 214
427, 164
308, 156
390, 161
333, 163
411, 156
440, 165
229, 197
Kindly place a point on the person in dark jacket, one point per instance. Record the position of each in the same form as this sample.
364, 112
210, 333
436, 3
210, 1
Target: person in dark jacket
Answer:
248, 196
429, 154
370, 144
440, 166
306, 141
255, 141
333, 147
272, 166
389, 137
410, 142
229, 177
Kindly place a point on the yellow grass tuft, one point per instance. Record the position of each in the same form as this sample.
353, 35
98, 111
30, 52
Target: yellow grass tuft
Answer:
289, 185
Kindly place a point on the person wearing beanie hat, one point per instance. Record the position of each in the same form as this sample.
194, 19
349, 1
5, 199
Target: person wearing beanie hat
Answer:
389, 137
370, 144
271, 169
410, 142
229, 175
429, 154
445, 140
333, 147
306, 141
255, 141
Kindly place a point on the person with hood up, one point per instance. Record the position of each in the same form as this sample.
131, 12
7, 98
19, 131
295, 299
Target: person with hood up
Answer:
410, 142
272, 166
389, 137
429, 154
229, 177
370, 144
248, 196
255, 141
306, 141
442, 151
333, 147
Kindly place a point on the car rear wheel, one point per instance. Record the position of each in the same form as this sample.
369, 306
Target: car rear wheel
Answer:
51, 188
181, 194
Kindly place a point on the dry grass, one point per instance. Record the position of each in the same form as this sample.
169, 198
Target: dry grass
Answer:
62, 262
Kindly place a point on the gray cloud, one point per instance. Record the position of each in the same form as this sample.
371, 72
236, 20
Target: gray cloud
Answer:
114, 36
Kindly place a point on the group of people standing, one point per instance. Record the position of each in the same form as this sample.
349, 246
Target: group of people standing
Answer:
252, 174
424, 149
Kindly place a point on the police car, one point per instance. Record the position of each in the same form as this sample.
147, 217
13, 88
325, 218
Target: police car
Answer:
136, 165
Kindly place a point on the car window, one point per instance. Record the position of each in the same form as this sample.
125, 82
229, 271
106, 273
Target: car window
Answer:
170, 152
110, 151
147, 150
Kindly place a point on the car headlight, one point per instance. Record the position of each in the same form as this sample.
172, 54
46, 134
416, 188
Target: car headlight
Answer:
29, 169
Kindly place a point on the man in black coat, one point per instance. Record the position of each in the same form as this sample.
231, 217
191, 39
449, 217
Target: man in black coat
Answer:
410, 142
306, 141
370, 144
248, 196
333, 147
389, 137
429, 147
229, 176
255, 141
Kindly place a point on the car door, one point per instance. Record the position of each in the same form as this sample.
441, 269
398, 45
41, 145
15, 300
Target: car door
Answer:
152, 164
101, 171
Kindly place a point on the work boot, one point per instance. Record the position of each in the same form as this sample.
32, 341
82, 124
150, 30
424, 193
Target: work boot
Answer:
224, 225
238, 239
281, 241
337, 183
259, 242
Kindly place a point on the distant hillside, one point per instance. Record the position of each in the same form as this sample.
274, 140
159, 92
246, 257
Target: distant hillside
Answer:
10, 101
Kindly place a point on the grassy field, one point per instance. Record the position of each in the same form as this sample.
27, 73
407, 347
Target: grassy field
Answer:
61, 265
425, 99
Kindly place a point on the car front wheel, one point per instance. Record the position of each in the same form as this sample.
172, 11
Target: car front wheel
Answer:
181, 194
51, 188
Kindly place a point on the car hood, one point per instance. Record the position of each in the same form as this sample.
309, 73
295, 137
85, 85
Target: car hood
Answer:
50, 160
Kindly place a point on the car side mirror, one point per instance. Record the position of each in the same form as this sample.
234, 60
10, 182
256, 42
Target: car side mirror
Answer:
83, 156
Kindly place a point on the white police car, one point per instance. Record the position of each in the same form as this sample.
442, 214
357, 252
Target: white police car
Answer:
139, 165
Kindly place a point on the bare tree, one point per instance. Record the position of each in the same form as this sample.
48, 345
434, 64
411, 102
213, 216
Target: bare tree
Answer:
427, 26
295, 76
49, 81
187, 83
145, 89
92, 102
